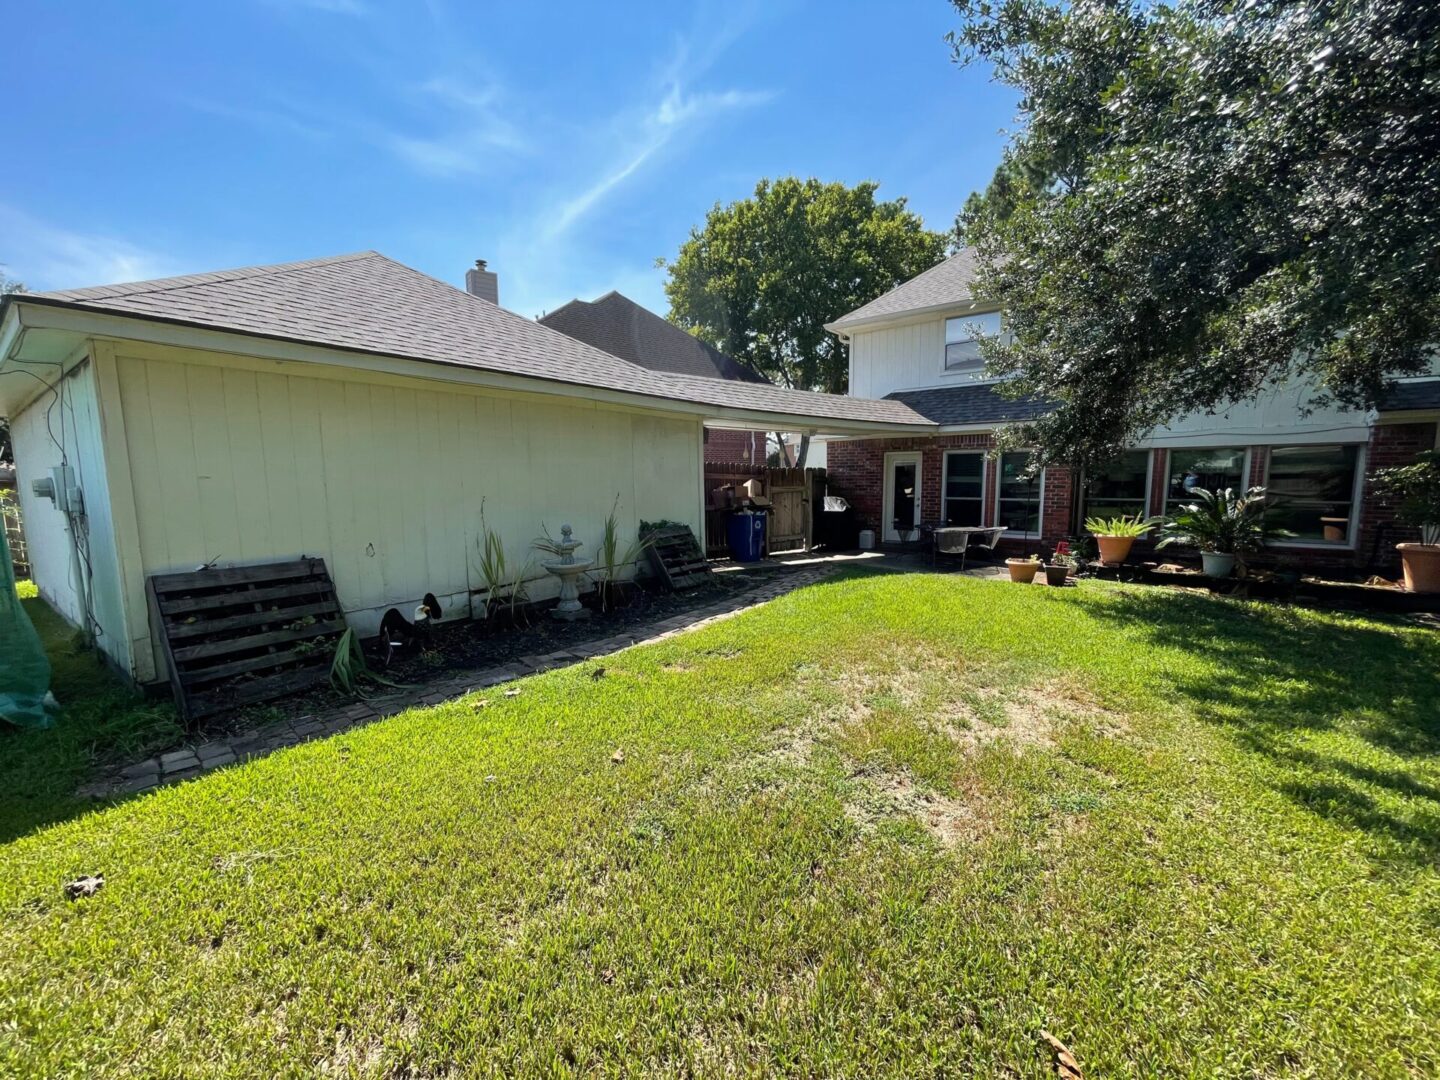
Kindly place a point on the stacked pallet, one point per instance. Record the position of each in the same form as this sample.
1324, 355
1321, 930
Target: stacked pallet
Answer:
246, 634
676, 558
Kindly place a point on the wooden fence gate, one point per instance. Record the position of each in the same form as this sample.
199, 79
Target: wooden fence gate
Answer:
794, 495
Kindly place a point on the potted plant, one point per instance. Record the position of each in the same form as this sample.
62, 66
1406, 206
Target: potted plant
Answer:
1415, 492
1060, 566
1023, 570
1117, 535
1222, 525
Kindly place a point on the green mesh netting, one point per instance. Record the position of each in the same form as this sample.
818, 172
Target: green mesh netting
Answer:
24, 667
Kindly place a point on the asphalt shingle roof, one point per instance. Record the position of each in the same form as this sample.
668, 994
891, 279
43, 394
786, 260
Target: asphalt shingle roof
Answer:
369, 303
1407, 396
975, 403
949, 282
623, 328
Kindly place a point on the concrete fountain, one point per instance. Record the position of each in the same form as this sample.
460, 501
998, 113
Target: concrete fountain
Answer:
568, 569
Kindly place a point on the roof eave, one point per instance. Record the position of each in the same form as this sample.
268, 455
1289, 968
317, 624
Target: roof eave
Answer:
847, 325
91, 321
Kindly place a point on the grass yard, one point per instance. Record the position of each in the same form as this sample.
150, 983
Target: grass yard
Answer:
104, 722
883, 826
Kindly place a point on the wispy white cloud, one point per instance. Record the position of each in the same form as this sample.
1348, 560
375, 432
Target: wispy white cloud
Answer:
329, 7
45, 256
479, 132
674, 114
265, 118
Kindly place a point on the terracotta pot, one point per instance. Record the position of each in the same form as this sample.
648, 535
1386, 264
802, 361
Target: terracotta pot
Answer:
1421, 563
1022, 570
1114, 550
1056, 574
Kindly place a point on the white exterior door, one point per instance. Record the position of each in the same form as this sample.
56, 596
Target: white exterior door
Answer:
902, 496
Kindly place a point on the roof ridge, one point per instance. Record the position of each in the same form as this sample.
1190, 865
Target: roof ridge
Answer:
190, 281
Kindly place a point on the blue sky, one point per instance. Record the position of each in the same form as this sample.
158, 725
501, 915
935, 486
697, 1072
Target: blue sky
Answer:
571, 144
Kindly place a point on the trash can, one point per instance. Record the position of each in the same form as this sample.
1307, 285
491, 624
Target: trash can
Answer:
746, 532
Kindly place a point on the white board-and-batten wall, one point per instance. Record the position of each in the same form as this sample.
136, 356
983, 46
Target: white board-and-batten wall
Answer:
233, 460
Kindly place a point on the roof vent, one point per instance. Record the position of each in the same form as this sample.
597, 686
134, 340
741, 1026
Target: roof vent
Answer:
483, 283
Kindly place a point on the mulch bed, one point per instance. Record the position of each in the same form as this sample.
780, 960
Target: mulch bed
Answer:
458, 645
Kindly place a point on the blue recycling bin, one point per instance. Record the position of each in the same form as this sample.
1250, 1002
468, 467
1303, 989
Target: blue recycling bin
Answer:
746, 532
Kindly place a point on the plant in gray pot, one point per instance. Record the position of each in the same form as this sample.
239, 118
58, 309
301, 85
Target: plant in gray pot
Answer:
1222, 526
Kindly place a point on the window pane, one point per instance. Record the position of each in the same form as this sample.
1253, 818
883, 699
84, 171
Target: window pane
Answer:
1119, 488
964, 475
963, 511
1313, 489
962, 353
1213, 470
1018, 506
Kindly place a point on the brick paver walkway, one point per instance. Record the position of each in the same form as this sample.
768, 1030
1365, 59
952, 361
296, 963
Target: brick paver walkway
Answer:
190, 761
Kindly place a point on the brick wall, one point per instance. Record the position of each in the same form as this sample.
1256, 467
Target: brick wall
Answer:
724, 447
856, 470
1390, 444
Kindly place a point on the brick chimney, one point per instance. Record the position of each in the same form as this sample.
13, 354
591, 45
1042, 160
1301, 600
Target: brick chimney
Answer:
483, 283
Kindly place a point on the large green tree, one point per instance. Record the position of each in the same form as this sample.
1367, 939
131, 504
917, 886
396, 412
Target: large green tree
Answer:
763, 275
1206, 198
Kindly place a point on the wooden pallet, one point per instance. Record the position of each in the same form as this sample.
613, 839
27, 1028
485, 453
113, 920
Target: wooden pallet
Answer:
245, 634
676, 558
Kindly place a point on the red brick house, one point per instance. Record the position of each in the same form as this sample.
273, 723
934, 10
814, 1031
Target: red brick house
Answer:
623, 328
917, 344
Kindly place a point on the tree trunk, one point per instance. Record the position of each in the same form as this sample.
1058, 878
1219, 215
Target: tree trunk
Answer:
804, 450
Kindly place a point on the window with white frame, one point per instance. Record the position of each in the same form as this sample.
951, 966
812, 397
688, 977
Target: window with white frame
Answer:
1017, 496
1121, 488
1312, 491
964, 487
1212, 469
962, 340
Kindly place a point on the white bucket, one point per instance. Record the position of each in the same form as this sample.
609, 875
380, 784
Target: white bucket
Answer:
867, 539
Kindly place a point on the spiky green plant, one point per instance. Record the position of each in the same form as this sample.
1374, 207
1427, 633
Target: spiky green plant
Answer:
1121, 525
502, 591
610, 562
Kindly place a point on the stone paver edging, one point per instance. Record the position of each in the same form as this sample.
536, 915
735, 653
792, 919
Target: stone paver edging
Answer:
189, 761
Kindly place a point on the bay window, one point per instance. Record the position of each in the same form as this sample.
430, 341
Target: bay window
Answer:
964, 487
1121, 488
1312, 491
1017, 498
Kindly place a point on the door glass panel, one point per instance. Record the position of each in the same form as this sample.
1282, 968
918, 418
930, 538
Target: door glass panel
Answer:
903, 486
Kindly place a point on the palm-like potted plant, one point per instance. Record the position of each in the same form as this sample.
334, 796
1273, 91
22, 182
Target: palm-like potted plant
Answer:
1222, 525
1117, 535
1414, 490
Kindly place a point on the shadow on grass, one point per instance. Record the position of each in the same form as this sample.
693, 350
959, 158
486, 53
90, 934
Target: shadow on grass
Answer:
1277, 676
101, 720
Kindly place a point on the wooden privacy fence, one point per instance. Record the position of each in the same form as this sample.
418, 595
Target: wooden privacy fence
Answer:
794, 495
14, 534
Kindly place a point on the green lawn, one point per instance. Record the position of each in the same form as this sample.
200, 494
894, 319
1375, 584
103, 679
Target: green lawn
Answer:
882, 826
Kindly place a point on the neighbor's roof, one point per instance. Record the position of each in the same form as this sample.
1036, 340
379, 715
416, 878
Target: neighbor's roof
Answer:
368, 303
975, 403
623, 328
1410, 396
943, 285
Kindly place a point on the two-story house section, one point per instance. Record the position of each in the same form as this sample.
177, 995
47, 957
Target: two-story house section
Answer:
918, 344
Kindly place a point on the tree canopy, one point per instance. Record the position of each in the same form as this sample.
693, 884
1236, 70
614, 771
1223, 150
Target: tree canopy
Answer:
1205, 199
764, 274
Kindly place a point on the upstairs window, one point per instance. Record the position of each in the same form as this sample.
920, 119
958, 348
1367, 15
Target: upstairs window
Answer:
1313, 492
962, 340
1121, 488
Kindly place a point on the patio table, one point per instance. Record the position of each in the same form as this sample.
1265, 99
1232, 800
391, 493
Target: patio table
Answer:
957, 540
